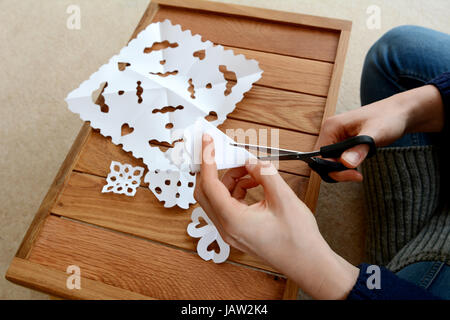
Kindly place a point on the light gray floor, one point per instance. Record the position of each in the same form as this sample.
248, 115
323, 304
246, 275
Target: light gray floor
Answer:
42, 60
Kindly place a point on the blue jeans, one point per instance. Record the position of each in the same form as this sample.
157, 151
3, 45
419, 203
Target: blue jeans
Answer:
405, 58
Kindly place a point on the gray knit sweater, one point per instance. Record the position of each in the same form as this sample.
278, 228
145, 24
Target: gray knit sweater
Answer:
408, 210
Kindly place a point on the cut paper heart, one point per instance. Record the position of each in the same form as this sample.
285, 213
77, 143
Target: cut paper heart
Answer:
172, 187
123, 179
207, 234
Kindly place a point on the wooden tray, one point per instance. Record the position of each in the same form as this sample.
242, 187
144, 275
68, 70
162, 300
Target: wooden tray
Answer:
132, 247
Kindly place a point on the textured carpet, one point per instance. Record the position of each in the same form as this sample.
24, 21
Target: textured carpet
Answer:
42, 60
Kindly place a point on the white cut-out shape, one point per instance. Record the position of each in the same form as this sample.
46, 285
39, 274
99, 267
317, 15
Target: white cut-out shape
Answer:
134, 92
207, 234
188, 154
172, 187
123, 179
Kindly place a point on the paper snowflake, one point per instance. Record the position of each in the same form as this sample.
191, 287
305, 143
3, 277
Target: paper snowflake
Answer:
158, 85
123, 179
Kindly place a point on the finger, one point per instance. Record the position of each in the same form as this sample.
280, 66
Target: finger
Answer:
216, 220
265, 174
230, 177
218, 195
208, 166
203, 201
353, 157
347, 175
240, 191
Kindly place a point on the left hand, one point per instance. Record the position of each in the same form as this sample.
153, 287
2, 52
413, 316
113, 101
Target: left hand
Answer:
280, 229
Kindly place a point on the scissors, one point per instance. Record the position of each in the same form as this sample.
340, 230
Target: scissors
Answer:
322, 166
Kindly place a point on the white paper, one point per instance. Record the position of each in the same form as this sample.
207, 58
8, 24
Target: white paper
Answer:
207, 234
123, 179
158, 108
188, 154
172, 187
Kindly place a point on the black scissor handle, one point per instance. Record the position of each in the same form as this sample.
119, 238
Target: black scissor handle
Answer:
324, 167
335, 150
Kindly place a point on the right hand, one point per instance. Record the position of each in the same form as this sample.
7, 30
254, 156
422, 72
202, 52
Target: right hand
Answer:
385, 121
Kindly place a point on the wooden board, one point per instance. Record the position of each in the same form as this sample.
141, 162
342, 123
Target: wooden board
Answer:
166, 273
133, 248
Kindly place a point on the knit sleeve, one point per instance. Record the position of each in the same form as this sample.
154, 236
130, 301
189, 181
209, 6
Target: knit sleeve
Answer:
442, 83
391, 287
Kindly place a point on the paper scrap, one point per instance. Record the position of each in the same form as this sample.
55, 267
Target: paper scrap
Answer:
123, 179
172, 187
207, 234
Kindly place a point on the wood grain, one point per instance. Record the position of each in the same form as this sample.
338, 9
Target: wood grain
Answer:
146, 268
297, 52
282, 109
289, 73
260, 35
143, 215
99, 151
38, 277
312, 194
255, 12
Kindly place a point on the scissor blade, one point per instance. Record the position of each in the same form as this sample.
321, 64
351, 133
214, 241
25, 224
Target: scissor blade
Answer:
274, 151
279, 157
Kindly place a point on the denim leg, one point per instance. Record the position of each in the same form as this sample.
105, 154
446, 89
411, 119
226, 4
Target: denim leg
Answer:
404, 58
433, 276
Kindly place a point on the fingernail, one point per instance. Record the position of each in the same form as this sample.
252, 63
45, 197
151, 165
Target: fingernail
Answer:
352, 157
206, 137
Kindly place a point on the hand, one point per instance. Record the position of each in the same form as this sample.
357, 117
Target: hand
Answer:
417, 110
280, 229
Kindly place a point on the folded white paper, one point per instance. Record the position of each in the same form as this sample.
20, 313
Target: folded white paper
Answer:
188, 154
157, 86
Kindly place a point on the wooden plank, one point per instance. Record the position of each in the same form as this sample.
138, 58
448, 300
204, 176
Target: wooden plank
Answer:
147, 268
99, 151
267, 14
312, 194
255, 34
38, 277
282, 109
143, 215
289, 73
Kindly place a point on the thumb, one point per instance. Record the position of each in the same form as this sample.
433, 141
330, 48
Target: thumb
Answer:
353, 157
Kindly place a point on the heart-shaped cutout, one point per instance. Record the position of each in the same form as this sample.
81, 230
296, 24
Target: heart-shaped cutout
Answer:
211, 245
126, 129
